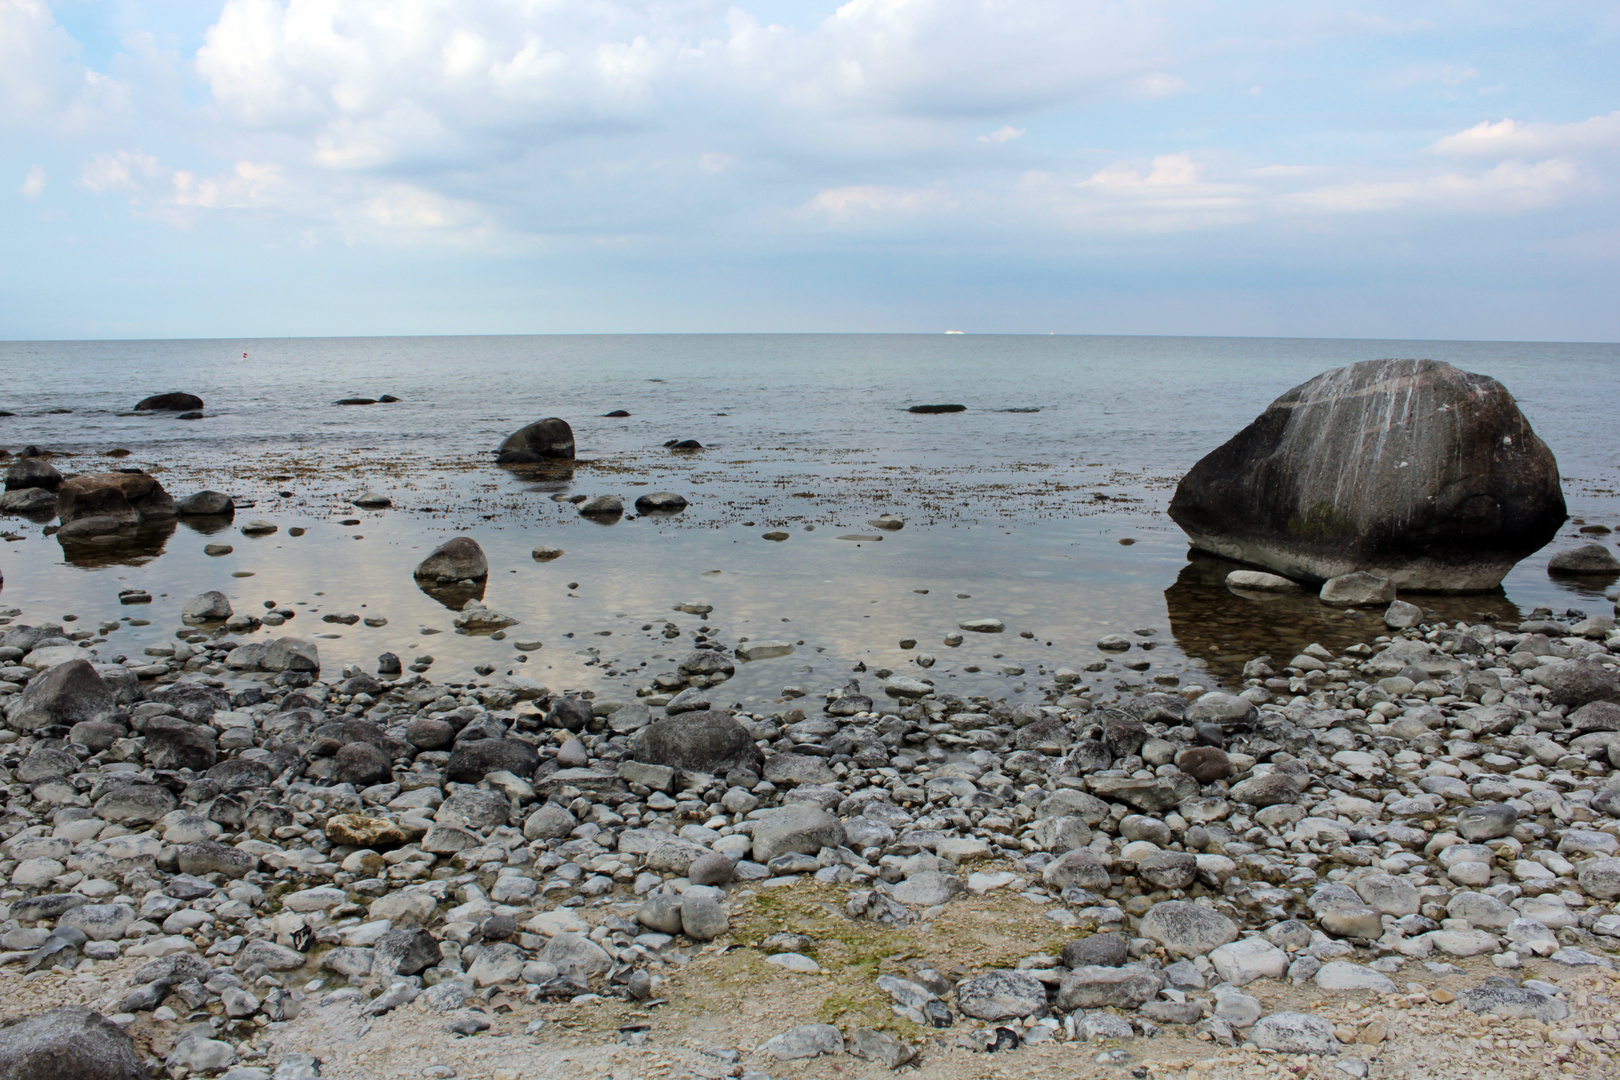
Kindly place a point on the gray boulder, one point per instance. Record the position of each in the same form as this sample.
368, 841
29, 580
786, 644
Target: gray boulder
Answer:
405, 951
1357, 590
550, 439
1001, 995
1108, 987
71, 1043
474, 759
804, 1041
1412, 470
798, 828
708, 740
1186, 928
1294, 1033
1588, 559
67, 694
173, 743
30, 472
213, 606
457, 559
205, 504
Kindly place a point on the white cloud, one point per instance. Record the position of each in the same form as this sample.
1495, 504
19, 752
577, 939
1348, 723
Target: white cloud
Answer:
34, 183
1170, 196
873, 200
1509, 187
1002, 134
1510, 138
42, 83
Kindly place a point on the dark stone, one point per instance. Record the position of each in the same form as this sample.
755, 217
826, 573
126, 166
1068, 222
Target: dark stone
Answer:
119, 497
425, 733
660, 502
929, 410
192, 701
31, 472
208, 857
1592, 559
172, 402
51, 906
1579, 683
572, 714
707, 741
363, 764
457, 559
388, 664
1412, 470
70, 1043
1123, 736
544, 440
67, 694
471, 761
241, 775
1205, 764
173, 743
1098, 950
405, 951
617, 413
684, 444
355, 401
206, 503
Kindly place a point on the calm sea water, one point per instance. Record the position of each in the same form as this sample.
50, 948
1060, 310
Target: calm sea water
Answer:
1002, 503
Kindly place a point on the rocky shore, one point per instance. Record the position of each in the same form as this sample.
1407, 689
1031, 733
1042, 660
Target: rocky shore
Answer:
1396, 857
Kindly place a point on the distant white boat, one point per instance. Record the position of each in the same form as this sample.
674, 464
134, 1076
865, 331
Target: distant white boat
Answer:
956, 331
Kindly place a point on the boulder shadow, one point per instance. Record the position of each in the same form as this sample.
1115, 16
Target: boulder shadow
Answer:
207, 524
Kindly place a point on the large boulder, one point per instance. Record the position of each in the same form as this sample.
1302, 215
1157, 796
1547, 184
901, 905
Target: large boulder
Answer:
707, 741
66, 694
32, 473
457, 559
105, 502
1412, 470
206, 503
70, 1043
170, 402
544, 440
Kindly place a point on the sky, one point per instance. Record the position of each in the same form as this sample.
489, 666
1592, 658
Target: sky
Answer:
337, 167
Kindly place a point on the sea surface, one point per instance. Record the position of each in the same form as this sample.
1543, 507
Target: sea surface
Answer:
1042, 504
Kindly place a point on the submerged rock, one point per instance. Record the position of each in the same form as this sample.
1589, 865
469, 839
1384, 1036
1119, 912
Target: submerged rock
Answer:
1412, 470
174, 401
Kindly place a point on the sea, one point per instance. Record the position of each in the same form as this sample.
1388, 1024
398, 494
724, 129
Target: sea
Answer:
1041, 504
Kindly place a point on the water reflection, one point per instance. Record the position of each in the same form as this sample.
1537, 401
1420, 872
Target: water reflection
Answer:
546, 477
453, 595
207, 524
1226, 627
134, 546
1587, 587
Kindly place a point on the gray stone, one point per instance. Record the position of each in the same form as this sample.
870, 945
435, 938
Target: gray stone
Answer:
576, 956
1242, 962
549, 822
702, 918
1002, 995
1513, 1002
1401, 616
706, 741
881, 1047
1342, 975
405, 951
804, 1041
67, 694
71, 1043
1294, 1033
1108, 987
1599, 878
208, 857
1409, 469
100, 922
211, 606
1486, 821
929, 888
1587, 559
548, 439
457, 559
497, 964
1186, 928
1098, 950
796, 828
1357, 590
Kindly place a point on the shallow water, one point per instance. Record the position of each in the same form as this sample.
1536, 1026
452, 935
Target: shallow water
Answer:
1024, 512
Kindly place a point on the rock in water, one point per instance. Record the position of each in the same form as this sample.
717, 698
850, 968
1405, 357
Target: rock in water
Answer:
1591, 559
73, 1043
31, 472
547, 439
172, 402
1412, 470
457, 559
206, 502
103, 502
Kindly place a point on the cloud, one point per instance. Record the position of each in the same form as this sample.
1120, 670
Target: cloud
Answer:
1510, 138
875, 201
1509, 187
34, 183
43, 86
1170, 196
1002, 134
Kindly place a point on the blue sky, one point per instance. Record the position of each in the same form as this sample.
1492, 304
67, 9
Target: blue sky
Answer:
307, 167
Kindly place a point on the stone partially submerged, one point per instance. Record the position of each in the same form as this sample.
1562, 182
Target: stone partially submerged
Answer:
1412, 470
550, 439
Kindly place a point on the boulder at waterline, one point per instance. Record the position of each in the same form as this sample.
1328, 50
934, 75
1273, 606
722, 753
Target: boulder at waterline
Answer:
542, 440
660, 502
105, 502
457, 559
1590, 559
31, 472
206, 503
171, 402
1412, 470
705, 740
